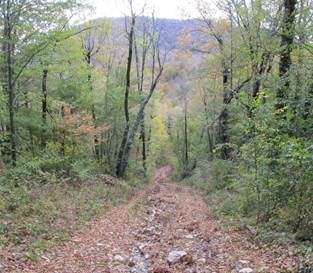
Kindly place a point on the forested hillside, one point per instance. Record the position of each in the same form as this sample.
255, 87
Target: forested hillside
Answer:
91, 109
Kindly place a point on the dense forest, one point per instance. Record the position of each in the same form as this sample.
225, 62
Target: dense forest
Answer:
90, 109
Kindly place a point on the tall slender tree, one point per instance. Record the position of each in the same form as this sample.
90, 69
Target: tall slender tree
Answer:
130, 37
157, 66
287, 44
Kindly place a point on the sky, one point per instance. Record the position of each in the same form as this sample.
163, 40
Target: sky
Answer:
177, 9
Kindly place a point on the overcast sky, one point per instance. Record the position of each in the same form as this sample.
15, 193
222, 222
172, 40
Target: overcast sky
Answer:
163, 8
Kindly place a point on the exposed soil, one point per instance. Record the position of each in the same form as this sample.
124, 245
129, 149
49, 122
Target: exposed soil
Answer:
140, 236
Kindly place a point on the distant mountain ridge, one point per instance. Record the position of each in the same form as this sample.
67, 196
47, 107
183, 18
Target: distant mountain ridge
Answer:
170, 28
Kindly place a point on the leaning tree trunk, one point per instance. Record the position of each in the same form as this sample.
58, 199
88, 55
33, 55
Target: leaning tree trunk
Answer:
132, 135
140, 116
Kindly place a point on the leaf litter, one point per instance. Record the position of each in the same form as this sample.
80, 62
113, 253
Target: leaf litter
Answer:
174, 232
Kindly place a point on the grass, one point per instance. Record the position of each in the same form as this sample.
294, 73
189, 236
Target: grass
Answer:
34, 217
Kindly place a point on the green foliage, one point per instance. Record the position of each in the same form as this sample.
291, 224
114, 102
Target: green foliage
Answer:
161, 149
267, 177
269, 183
212, 176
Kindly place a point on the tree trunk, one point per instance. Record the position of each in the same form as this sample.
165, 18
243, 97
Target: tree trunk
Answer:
223, 118
63, 137
31, 137
120, 163
287, 38
144, 152
12, 115
132, 135
140, 69
93, 111
95, 138
208, 133
8, 79
44, 107
186, 135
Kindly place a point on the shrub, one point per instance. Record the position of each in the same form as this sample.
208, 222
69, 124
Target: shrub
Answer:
211, 176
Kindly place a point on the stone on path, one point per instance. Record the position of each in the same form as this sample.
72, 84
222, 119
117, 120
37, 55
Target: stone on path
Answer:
246, 270
140, 267
120, 259
176, 256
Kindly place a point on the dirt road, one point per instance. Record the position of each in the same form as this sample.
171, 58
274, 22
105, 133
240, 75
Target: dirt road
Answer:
167, 228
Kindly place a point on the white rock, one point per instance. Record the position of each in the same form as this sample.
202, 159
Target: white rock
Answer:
246, 270
189, 236
141, 246
175, 256
140, 268
44, 257
202, 261
244, 261
100, 244
119, 258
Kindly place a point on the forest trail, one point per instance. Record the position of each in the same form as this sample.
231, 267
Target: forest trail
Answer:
166, 228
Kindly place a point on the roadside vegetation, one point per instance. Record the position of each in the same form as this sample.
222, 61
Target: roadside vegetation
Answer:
89, 109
